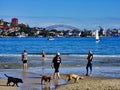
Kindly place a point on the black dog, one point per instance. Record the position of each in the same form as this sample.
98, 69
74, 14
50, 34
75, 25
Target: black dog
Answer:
13, 80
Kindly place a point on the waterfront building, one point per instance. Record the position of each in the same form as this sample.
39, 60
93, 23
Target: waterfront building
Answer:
14, 21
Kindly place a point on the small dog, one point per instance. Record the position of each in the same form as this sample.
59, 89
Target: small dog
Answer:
74, 76
13, 80
46, 79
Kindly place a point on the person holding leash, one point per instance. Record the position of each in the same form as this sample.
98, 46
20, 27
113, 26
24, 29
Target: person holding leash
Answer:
56, 63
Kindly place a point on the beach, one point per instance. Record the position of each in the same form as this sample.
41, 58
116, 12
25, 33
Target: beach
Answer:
4, 87
92, 83
32, 82
106, 73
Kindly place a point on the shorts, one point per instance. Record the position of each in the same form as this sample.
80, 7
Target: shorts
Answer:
56, 68
25, 61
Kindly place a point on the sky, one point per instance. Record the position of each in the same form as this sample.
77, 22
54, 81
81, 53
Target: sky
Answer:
79, 13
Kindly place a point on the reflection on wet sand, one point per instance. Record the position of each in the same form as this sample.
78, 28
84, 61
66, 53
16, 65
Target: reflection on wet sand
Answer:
56, 82
24, 74
34, 83
45, 87
43, 60
43, 66
48, 86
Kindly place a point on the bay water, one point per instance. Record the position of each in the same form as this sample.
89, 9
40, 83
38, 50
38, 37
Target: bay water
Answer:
73, 51
81, 46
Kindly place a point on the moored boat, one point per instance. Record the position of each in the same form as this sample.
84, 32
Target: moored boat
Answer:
50, 38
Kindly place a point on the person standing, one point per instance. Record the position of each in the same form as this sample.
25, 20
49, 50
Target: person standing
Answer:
89, 63
43, 56
24, 59
56, 63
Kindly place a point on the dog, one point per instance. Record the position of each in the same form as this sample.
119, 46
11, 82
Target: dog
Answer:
46, 79
15, 81
74, 76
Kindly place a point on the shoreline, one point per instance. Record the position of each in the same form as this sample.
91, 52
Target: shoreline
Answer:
106, 73
14, 62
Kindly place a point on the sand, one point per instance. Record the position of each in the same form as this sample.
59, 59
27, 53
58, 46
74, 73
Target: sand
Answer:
92, 83
3, 85
88, 83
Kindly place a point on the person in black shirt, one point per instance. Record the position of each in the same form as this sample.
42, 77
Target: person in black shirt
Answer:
89, 64
56, 63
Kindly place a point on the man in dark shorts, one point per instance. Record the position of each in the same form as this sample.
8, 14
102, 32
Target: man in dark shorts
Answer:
56, 63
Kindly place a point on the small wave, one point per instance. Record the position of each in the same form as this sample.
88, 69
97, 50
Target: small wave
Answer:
10, 55
51, 55
77, 55
107, 56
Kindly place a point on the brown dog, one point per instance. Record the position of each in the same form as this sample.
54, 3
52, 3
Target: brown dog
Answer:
46, 79
74, 76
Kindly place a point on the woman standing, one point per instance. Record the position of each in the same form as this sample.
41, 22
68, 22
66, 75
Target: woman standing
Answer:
89, 64
24, 59
43, 56
56, 63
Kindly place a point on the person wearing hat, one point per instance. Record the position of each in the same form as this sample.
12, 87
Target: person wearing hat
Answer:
56, 63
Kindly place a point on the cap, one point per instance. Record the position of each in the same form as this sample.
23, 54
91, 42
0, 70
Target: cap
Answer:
58, 53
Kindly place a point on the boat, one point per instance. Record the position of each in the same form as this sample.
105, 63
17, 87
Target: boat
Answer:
50, 38
97, 35
21, 36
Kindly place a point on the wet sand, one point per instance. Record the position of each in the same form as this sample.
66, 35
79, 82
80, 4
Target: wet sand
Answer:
32, 82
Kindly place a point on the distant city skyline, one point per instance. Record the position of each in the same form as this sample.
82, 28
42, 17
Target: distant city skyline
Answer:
82, 14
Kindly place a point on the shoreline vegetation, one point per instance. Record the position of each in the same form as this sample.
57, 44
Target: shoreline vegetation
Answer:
23, 30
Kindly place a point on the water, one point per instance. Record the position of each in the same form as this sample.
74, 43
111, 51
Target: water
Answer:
106, 51
106, 46
106, 61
